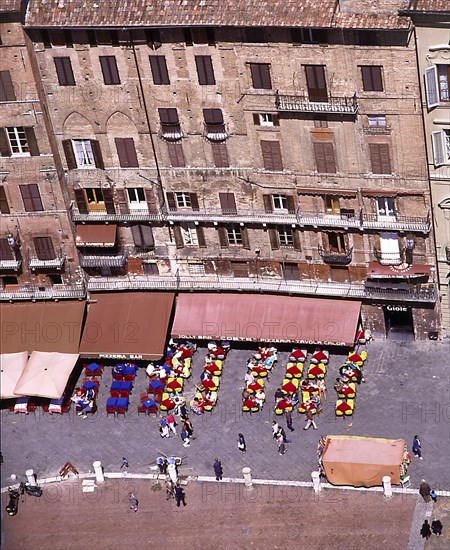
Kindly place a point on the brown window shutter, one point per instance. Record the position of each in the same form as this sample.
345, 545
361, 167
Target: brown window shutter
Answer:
205, 70
122, 201
176, 155
290, 203
147, 236
69, 153
64, 71
271, 153
296, 239
366, 78
245, 239
188, 37
137, 236
36, 197
109, 201
377, 79
4, 206
6, 87
32, 142
223, 237
109, 69
96, 151
151, 201
256, 120
260, 73
194, 201
159, 69
276, 120
273, 238
268, 203
385, 159
375, 158
178, 236
213, 116
126, 152
227, 203
256, 78
220, 155
44, 248
168, 116
201, 237
5, 250
5, 150
330, 161
80, 199
171, 200
121, 152
26, 198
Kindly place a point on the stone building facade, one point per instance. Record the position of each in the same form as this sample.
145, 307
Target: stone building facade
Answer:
206, 150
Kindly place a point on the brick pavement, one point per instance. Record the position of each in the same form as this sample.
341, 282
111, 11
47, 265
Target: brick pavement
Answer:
406, 393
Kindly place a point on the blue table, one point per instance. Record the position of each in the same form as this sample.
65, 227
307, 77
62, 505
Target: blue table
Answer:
156, 384
130, 369
89, 385
149, 403
93, 366
121, 386
122, 402
111, 402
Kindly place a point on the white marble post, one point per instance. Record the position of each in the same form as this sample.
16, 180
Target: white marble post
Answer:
387, 486
30, 477
315, 476
247, 472
100, 478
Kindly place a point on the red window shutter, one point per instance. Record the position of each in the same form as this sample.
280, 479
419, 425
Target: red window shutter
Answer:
171, 200
273, 238
179, 243
5, 250
268, 204
223, 237
6, 87
80, 199
159, 69
69, 153
194, 201
5, 150
109, 69
32, 142
220, 155
150, 197
96, 151
205, 70
64, 71
201, 237
127, 152
4, 206
109, 200
122, 201
176, 155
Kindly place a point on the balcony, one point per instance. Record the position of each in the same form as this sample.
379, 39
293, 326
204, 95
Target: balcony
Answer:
396, 223
407, 292
215, 132
10, 265
27, 292
303, 104
389, 258
103, 216
56, 263
102, 260
321, 219
336, 258
171, 131
377, 130
424, 293
232, 215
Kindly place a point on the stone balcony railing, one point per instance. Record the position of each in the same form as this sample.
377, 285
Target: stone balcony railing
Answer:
335, 258
396, 223
102, 260
28, 292
304, 104
36, 263
10, 265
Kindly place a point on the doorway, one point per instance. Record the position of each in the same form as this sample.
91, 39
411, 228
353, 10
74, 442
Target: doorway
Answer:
399, 323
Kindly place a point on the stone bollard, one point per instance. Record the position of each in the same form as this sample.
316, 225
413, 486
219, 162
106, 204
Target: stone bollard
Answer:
247, 472
31, 477
99, 477
315, 476
387, 486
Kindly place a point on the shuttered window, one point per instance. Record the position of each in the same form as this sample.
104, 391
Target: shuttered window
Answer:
143, 236
315, 80
324, 155
291, 272
159, 69
176, 155
227, 203
240, 269
273, 237
441, 147
6, 87
127, 152
150, 197
83, 153
379, 158
261, 76
220, 155
4, 206
80, 199
31, 198
205, 70
6, 252
271, 154
64, 71
109, 69
431, 86
372, 78
109, 200
168, 116
44, 248
5, 150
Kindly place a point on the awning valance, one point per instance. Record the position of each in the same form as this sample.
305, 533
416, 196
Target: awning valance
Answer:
128, 325
268, 318
41, 326
402, 271
96, 235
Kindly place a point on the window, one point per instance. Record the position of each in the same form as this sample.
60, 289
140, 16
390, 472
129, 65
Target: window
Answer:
386, 207
279, 202
320, 121
83, 153
151, 268
127, 152
170, 124
285, 236
331, 205
6, 252
324, 155
389, 248
196, 269
220, 155
183, 200
271, 154
261, 76
44, 248
94, 198
309, 36
189, 233
379, 158
176, 155
6, 87
199, 35
234, 235
291, 272
437, 79
215, 128
31, 198
441, 147
265, 119
159, 69
376, 121
372, 78
315, 80
444, 79
109, 69
4, 206
205, 70
18, 141
143, 236
336, 243
227, 203
136, 198
64, 71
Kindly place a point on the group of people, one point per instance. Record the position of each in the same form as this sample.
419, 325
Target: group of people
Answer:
258, 367
168, 425
85, 400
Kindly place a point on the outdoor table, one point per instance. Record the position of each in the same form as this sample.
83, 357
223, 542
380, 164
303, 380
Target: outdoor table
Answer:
297, 354
209, 384
93, 366
250, 403
347, 390
148, 403
254, 387
111, 402
174, 385
259, 370
168, 403
122, 402
130, 369
343, 407
284, 404
89, 385
294, 370
21, 405
317, 370
289, 387
212, 368
319, 356
355, 358
118, 385
156, 384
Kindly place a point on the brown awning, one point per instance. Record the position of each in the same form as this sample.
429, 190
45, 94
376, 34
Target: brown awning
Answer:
96, 235
322, 191
41, 326
129, 325
256, 318
406, 271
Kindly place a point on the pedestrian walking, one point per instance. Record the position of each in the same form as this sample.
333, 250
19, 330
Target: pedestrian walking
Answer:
171, 422
417, 447
425, 531
163, 428
425, 490
275, 428
134, 502
218, 469
180, 496
283, 434
124, 463
436, 527
170, 489
241, 443
161, 461
188, 427
185, 438
309, 421
288, 416
281, 446
433, 495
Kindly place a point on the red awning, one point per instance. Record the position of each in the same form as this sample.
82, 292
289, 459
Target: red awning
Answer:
257, 318
96, 235
406, 271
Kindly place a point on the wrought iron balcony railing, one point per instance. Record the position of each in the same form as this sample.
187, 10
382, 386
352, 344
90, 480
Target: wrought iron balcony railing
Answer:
389, 258
334, 257
305, 104
103, 260
56, 263
31, 292
398, 223
10, 265
103, 216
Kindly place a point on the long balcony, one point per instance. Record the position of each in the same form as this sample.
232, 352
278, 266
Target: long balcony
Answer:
10, 265
314, 219
103, 216
56, 263
425, 293
396, 223
102, 260
336, 258
27, 292
304, 104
